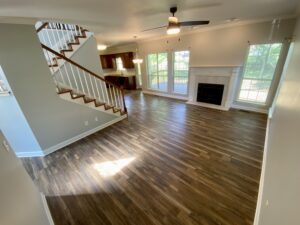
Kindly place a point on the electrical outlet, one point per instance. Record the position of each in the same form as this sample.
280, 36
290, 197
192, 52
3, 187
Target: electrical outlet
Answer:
86, 123
96, 118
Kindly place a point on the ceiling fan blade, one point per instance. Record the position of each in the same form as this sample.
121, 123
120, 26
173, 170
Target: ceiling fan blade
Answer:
155, 28
194, 23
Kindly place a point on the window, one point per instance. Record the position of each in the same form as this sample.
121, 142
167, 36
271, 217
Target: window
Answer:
139, 73
181, 72
158, 71
119, 63
259, 72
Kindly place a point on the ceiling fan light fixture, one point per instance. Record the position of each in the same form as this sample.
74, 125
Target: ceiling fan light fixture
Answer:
173, 28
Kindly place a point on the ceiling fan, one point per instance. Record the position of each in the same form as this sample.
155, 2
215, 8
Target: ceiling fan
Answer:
174, 25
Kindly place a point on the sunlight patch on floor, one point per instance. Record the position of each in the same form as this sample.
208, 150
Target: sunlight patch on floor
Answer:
110, 168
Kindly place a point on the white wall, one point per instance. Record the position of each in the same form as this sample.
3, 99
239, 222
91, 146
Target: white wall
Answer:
225, 46
279, 194
52, 119
20, 201
119, 49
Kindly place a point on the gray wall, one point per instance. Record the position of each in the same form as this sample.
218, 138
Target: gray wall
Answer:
279, 195
52, 119
87, 56
226, 46
20, 201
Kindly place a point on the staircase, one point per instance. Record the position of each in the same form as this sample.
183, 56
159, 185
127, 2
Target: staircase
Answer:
74, 82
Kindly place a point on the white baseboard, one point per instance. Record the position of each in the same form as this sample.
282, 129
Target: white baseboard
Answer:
249, 108
165, 95
30, 154
219, 107
46, 208
80, 136
69, 141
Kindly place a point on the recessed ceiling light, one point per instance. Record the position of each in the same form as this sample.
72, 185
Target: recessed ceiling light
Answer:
101, 47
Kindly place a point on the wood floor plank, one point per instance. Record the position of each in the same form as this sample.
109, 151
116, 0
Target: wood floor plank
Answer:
169, 163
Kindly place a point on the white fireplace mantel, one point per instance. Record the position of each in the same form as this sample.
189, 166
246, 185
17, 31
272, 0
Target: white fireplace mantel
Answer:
225, 75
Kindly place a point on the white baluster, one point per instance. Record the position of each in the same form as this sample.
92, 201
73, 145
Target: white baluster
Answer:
62, 77
73, 32
106, 93
80, 80
111, 96
49, 39
70, 65
88, 89
93, 91
58, 42
80, 32
120, 99
67, 74
114, 96
102, 90
51, 68
54, 45
64, 37
42, 33
97, 87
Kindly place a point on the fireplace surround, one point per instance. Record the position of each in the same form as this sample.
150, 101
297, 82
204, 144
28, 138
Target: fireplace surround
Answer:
226, 76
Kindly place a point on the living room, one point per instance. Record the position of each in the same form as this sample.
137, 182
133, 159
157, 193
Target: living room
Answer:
152, 113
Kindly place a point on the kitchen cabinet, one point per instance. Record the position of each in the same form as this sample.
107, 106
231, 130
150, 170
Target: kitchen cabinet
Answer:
127, 58
109, 61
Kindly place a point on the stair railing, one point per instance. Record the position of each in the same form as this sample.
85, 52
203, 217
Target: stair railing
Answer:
59, 36
82, 81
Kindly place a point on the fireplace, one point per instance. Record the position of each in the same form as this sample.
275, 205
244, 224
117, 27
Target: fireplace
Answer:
213, 86
210, 93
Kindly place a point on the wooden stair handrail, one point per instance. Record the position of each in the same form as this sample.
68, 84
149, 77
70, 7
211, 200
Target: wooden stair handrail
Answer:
81, 67
42, 27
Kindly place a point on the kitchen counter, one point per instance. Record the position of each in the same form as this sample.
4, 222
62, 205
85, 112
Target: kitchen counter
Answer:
127, 81
119, 75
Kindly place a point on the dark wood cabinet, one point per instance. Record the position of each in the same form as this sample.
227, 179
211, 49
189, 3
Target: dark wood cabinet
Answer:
108, 61
127, 58
128, 83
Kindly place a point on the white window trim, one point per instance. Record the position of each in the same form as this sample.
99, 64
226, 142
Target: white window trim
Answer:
170, 59
148, 76
173, 72
241, 76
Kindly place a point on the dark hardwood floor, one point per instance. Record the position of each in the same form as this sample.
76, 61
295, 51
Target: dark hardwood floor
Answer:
168, 164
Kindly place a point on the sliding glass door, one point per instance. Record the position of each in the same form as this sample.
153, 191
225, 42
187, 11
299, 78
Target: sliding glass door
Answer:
259, 73
158, 71
181, 72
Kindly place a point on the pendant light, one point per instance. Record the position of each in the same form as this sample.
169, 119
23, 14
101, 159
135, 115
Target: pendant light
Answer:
136, 59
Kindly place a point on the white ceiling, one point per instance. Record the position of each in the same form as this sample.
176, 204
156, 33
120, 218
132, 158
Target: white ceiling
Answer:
117, 21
